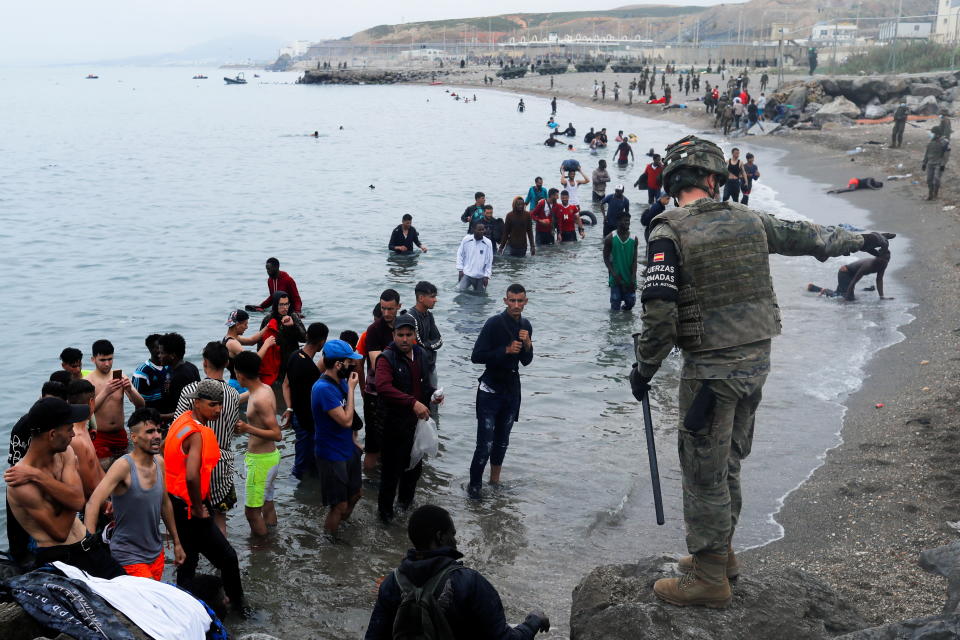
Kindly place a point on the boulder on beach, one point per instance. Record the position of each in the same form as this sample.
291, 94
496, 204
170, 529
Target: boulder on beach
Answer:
920, 89
798, 97
928, 107
616, 602
875, 111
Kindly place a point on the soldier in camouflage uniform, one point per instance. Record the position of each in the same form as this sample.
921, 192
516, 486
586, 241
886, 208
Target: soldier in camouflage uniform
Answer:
899, 122
708, 290
935, 160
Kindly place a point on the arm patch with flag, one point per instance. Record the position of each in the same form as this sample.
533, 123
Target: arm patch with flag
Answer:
660, 281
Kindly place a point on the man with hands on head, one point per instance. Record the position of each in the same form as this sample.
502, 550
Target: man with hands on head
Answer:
723, 315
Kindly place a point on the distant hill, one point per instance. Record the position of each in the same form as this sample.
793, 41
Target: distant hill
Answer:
228, 50
664, 23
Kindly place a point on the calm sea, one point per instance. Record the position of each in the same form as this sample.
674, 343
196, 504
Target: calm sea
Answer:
147, 202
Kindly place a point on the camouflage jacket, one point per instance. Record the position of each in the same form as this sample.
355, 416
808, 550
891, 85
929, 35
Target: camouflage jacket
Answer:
937, 153
661, 321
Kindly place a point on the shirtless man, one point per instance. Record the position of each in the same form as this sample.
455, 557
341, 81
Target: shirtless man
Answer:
850, 274
263, 457
139, 502
45, 494
108, 405
91, 473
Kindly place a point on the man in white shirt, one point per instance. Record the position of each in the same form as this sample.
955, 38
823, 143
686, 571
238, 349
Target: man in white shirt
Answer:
572, 184
475, 260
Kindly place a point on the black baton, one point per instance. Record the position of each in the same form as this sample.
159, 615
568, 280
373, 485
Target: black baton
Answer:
652, 455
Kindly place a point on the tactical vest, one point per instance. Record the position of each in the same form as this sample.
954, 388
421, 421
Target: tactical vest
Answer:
402, 375
726, 296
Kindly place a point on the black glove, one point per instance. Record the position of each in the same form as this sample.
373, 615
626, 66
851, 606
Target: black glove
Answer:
538, 621
638, 383
873, 241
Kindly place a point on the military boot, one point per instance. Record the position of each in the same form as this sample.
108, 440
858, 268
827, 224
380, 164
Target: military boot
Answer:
685, 564
930, 194
705, 586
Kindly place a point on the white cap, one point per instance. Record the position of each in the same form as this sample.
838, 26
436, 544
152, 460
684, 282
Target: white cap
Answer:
619, 187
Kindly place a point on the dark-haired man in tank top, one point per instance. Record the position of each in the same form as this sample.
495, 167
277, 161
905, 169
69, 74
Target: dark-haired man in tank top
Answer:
136, 484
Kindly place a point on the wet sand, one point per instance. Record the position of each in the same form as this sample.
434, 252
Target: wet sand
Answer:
889, 490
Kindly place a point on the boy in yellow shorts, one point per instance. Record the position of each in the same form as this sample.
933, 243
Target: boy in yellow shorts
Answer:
263, 458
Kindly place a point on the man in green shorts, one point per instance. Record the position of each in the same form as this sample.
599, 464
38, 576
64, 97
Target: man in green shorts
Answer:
263, 458
620, 256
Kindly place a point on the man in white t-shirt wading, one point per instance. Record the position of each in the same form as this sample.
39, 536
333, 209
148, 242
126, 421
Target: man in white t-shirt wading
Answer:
475, 260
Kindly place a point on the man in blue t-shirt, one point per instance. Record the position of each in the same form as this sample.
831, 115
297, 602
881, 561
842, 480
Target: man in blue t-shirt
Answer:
612, 207
338, 458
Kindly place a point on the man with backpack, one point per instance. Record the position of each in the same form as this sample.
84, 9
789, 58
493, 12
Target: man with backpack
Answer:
431, 595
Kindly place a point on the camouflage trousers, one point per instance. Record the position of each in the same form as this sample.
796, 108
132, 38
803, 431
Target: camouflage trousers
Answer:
933, 175
716, 433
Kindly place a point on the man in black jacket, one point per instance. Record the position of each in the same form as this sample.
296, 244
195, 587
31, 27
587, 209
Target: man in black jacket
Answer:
468, 602
504, 343
404, 390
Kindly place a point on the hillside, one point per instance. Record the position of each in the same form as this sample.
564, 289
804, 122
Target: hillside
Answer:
749, 21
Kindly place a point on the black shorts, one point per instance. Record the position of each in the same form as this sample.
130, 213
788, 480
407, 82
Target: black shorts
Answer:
568, 236
373, 426
339, 479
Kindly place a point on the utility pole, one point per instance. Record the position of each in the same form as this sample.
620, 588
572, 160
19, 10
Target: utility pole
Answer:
893, 45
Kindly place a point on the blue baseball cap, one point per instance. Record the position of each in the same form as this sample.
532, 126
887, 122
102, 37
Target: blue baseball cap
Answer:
337, 349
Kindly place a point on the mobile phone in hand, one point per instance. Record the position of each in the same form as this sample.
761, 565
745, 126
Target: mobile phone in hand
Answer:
117, 374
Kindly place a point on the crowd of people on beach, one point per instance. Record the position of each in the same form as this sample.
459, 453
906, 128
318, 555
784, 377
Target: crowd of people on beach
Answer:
88, 486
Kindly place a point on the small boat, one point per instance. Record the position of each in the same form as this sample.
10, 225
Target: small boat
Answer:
238, 80
200, 76
90, 76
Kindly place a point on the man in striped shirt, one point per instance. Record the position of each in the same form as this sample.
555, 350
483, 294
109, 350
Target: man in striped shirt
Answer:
223, 493
149, 377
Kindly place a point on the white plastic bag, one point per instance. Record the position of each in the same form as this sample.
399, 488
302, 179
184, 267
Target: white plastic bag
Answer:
425, 442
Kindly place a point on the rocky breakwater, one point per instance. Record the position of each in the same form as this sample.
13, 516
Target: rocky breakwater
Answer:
616, 602
366, 76
847, 98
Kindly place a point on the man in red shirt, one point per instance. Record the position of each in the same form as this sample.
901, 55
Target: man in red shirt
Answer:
654, 179
280, 281
568, 219
544, 217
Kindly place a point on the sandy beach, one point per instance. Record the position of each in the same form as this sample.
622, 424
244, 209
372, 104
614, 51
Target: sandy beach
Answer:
889, 490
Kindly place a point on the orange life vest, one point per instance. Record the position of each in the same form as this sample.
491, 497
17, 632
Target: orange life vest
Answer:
176, 460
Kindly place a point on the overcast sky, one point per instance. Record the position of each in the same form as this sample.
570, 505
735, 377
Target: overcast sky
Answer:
50, 31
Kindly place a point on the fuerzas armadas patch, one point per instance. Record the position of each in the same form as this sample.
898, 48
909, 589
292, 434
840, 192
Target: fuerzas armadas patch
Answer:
660, 281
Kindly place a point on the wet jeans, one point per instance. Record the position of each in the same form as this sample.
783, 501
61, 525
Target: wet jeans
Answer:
304, 460
620, 295
496, 413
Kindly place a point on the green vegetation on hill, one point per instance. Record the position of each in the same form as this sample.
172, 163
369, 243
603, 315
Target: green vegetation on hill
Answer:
913, 57
533, 20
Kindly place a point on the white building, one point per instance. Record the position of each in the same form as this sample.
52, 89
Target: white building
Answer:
904, 30
946, 27
296, 48
421, 54
833, 31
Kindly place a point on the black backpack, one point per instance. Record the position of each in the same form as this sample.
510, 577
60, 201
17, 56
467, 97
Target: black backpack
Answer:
419, 616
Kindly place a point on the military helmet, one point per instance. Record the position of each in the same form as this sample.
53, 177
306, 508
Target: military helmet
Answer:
692, 152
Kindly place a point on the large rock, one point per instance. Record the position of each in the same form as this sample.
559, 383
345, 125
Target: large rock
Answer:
931, 628
928, 107
616, 602
829, 86
840, 107
798, 97
922, 89
875, 111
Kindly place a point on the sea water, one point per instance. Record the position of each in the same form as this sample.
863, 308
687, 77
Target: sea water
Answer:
147, 202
